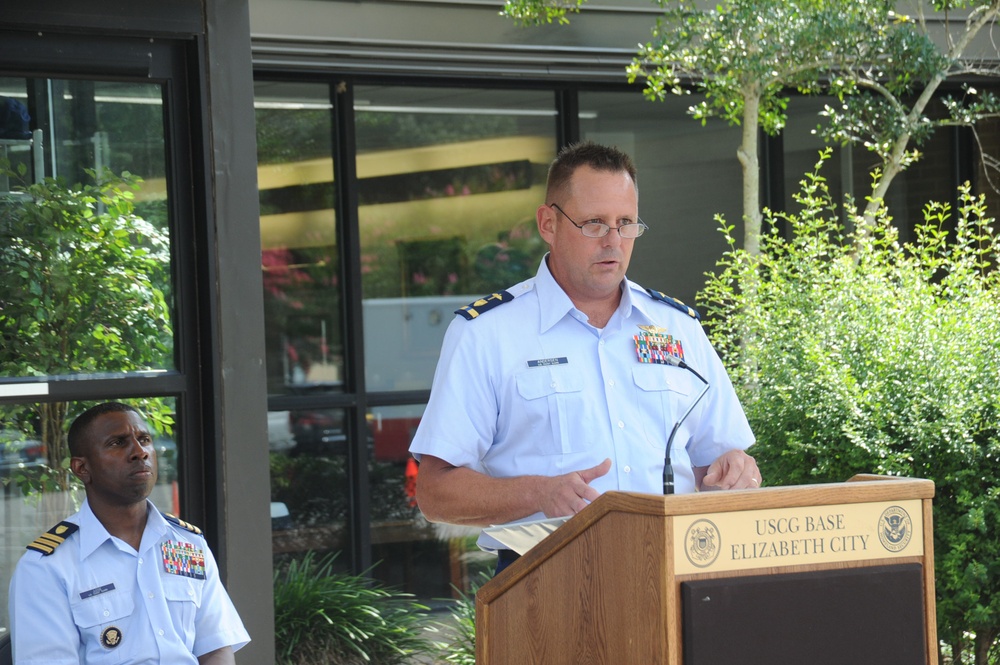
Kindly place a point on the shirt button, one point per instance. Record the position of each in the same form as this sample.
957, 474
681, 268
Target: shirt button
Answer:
611, 383
140, 560
627, 469
151, 594
107, 613
552, 385
161, 632
621, 424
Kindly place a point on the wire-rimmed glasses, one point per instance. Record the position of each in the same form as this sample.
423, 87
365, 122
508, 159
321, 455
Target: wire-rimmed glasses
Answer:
596, 229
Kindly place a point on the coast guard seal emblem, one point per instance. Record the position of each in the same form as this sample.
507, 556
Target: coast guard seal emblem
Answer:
895, 529
703, 543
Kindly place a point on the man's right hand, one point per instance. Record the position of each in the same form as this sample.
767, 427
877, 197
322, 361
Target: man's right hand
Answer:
459, 495
571, 492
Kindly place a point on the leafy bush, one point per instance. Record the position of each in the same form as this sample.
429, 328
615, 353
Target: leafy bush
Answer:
325, 617
853, 352
460, 649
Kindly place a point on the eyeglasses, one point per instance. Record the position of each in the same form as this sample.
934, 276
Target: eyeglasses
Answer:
596, 229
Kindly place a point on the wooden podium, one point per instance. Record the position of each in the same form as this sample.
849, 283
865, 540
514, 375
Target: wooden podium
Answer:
838, 574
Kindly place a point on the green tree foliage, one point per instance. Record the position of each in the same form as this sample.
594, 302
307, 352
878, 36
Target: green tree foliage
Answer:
856, 353
746, 55
81, 292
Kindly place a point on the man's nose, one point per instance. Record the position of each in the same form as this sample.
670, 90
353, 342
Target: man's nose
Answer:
613, 238
136, 449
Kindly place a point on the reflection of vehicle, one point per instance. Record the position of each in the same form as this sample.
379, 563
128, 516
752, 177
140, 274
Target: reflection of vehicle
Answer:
319, 432
19, 454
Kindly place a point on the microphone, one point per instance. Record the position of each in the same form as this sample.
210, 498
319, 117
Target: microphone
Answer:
668, 468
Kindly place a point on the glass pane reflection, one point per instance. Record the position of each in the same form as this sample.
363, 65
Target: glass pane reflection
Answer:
91, 293
310, 495
429, 560
299, 256
448, 183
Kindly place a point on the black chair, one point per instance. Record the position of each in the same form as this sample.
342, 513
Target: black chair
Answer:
6, 657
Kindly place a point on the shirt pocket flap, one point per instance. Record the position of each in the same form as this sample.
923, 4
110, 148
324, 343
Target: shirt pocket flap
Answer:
102, 609
179, 589
544, 381
657, 378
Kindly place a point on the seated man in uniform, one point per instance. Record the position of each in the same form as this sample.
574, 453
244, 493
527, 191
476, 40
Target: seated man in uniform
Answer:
119, 581
547, 394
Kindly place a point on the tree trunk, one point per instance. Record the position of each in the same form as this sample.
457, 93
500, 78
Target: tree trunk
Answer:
893, 165
747, 154
53, 417
984, 643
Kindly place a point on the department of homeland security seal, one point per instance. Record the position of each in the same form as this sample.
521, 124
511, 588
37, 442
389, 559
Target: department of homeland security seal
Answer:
895, 529
703, 543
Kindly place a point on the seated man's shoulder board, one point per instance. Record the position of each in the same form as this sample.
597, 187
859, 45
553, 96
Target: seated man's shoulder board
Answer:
674, 302
53, 538
485, 304
173, 519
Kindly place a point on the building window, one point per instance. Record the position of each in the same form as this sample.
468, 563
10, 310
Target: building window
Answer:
446, 183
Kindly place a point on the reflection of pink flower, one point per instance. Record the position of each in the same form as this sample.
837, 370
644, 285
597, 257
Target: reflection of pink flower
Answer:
452, 278
465, 190
419, 278
449, 189
502, 257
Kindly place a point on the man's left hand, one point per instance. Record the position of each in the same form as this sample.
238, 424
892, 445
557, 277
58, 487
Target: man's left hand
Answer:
733, 470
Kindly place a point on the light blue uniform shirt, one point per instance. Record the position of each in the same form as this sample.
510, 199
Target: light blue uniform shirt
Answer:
529, 387
96, 600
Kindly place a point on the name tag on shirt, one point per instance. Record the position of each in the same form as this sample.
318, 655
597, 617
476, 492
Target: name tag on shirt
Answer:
545, 362
84, 595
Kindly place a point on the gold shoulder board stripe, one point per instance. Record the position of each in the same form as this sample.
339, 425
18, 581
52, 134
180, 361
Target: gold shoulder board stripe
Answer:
485, 304
674, 302
53, 538
182, 524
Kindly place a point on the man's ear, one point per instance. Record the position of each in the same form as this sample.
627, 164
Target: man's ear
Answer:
80, 469
545, 216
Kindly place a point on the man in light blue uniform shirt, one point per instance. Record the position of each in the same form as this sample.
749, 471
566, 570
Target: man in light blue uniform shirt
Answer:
120, 582
568, 384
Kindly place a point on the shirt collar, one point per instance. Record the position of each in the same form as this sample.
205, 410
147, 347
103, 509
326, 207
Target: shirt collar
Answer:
93, 534
555, 304
642, 304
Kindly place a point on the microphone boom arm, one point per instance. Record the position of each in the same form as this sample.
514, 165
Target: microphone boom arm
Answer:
668, 468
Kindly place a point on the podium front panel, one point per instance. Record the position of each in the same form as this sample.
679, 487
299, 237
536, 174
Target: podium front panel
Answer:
862, 616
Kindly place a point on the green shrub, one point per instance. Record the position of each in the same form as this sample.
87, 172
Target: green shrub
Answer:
460, 648
855, 352
329, 618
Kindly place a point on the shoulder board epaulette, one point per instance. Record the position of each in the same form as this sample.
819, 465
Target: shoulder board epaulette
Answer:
472, 310
675, 303
53, 538
173, 519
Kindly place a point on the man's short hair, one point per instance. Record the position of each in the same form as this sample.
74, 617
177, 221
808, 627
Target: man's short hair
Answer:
586, 153
77, 437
